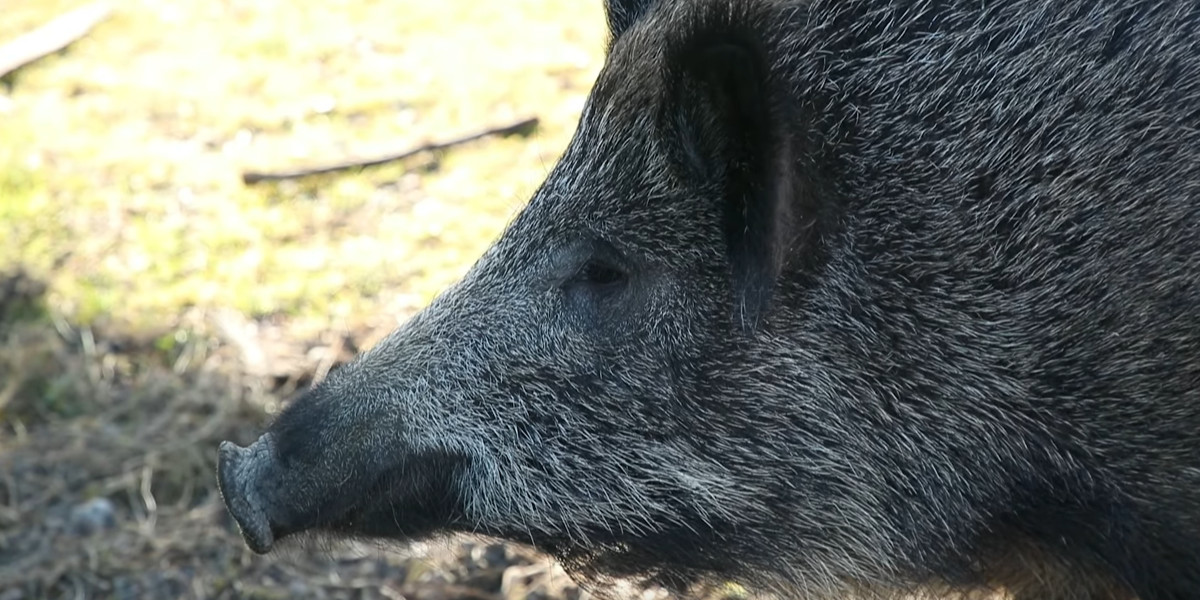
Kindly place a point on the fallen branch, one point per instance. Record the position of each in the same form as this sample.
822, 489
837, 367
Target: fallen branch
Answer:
522, 127
51, 37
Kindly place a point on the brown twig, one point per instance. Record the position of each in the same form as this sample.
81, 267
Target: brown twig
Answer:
522, 127
51, 37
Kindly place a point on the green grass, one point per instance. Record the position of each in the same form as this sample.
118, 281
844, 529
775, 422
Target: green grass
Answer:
120, 158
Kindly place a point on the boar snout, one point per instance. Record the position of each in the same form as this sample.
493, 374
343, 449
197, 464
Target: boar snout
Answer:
341, 460
239, 475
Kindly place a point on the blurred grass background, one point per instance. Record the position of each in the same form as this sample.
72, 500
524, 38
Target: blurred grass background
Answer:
151, 304
120, 158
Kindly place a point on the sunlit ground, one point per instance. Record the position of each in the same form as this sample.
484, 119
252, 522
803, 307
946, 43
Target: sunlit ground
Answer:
120, 159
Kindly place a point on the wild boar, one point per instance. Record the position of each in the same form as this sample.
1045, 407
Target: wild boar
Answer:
827, 297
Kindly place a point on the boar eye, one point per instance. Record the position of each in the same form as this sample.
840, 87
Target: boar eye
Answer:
597, 276
600, 274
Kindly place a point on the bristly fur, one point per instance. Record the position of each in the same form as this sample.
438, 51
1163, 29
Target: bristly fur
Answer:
829, 297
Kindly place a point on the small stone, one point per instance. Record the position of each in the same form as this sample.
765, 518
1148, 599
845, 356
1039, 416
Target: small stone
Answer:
94, 515
298, 589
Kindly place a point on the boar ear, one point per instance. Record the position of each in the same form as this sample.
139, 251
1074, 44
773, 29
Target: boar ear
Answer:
731, 127
624, 13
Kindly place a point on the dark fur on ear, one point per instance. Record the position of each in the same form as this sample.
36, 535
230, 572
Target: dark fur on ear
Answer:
728, 120
624, 13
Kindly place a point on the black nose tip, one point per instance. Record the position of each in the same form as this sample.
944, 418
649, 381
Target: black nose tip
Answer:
237, 479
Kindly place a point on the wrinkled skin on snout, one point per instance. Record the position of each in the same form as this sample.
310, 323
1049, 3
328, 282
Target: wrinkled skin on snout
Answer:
833, 296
